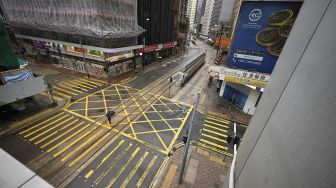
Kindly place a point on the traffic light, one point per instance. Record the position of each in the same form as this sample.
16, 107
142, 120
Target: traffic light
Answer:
184, 138
228, 139
236, 140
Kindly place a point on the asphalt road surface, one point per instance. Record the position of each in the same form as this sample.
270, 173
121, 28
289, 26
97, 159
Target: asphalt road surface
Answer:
77, 147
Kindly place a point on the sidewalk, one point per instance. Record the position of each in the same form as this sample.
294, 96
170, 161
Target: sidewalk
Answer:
203, 169
215, 105
37, 107
117, 79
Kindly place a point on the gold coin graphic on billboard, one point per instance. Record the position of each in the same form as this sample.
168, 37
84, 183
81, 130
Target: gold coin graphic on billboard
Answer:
276, 48
285, 29
268, 36
280, 17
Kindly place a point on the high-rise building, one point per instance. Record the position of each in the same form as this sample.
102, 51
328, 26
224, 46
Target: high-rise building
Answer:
221, 15
199, 14
206, 18
191, 12
181, 22
158, 20
222, 11
235, 14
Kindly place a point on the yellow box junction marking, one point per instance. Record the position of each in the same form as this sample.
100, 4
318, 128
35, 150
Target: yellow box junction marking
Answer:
150, 123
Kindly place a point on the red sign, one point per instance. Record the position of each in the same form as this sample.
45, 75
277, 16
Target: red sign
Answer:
150, 48
168, 45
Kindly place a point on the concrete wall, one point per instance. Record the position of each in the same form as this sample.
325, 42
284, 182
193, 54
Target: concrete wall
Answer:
290, 140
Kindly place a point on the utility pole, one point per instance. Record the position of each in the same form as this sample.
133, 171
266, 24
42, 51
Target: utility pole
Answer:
143, 53
185, 154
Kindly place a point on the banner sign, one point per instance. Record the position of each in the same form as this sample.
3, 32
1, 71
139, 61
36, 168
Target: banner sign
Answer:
168, 45
246, 81
150, 48
261, 32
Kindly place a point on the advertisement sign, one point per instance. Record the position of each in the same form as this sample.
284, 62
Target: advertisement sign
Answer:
150, 48
239, 76
223, 42
261, 32
246, 81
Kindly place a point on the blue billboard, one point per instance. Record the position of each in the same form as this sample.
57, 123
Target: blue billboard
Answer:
261, 32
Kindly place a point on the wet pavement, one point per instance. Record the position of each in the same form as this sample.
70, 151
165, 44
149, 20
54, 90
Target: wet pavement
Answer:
70, 148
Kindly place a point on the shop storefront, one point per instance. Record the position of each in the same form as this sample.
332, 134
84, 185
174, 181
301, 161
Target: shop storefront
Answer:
155, 52
244, 88
120, 68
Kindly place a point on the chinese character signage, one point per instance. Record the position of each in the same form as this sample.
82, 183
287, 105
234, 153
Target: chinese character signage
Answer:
247, 81
261, 32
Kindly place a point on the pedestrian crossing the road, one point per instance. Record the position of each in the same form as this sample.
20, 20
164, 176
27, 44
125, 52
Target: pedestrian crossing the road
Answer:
76, 87
124, 163
214, 133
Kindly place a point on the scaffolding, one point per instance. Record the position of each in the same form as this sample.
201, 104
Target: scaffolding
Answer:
92, 18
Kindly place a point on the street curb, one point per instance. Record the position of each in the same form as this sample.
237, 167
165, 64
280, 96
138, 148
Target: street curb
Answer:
32, 119
215, 115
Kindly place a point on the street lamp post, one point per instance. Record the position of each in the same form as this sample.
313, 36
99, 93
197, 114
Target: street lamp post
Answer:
143, 53
86, 68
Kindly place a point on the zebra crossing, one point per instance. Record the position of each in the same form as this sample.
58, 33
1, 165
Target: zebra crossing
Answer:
124, 163
76, 87
214, 133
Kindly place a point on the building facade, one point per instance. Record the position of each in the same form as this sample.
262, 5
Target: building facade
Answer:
191, 12
235, 14
250, 62
199, 14
206, 18
290, 139
94, 37
221, 17
160, 36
